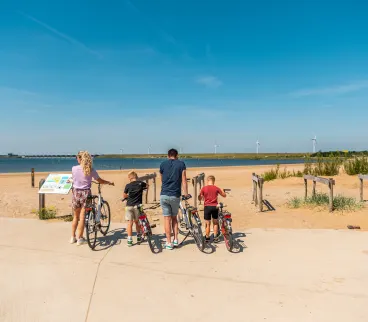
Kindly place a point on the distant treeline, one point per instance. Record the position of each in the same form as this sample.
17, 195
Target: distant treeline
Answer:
348, 154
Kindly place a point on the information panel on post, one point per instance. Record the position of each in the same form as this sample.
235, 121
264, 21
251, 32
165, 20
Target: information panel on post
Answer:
57, 184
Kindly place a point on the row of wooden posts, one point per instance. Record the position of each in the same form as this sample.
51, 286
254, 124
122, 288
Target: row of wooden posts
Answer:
258, 182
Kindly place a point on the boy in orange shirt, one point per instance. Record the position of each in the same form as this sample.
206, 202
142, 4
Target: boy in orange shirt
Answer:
209, 194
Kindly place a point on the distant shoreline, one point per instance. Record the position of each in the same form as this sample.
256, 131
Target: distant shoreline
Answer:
244, 156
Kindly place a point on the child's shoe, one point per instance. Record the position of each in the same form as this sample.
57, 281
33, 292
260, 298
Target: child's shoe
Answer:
130, 243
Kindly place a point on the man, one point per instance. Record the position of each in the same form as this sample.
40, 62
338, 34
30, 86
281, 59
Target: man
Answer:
173, 176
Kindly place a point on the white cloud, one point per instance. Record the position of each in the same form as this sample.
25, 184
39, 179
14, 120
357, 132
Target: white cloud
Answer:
62, 35
209, 81
338, 89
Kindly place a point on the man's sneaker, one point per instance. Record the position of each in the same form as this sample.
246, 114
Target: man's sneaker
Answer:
216, 238
175, 243
207, 239
169, 246
81, 241
130, 243
139, 238
73, 240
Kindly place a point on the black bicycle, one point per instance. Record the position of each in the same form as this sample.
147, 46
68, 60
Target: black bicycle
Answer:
225, 220
190, 221
97, 217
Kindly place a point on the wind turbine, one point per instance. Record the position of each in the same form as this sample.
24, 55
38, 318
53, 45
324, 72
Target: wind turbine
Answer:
314, 140
216, 146
181, 150
258, 145
121, 151
149, 149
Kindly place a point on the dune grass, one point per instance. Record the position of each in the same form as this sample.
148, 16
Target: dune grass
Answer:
340, 202
357, 165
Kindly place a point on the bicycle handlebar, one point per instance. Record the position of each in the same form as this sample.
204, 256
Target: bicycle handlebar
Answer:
227, 190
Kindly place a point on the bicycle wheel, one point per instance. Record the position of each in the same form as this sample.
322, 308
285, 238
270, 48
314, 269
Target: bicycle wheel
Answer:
91, 229
150, 242
105, 218
197, 232
229, 242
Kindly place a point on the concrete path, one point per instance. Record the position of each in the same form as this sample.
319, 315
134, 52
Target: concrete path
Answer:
276, 275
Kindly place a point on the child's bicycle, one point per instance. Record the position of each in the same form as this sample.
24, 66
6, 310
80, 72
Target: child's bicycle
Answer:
145, 227
97, 217
225, 220
190, 221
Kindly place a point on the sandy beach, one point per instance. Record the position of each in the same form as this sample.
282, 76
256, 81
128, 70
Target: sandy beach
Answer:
19, 200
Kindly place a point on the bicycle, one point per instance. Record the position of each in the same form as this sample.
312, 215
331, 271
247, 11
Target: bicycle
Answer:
145, 227
225, 220
191, 221
97, 217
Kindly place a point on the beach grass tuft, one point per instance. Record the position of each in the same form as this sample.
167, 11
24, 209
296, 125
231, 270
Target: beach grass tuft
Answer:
340, 202
357, 165
47, 213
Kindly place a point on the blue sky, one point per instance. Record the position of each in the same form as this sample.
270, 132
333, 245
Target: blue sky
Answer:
106, 75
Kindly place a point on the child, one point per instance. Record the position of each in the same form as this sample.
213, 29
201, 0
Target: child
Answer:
209, 194
134, 192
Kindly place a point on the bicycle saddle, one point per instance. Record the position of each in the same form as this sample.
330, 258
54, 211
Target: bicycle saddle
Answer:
220, 205
186, 197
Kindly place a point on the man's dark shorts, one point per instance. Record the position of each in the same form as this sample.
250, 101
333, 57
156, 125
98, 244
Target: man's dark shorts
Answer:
210, 212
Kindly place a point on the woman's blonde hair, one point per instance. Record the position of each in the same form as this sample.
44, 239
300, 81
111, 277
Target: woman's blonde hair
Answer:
86, 162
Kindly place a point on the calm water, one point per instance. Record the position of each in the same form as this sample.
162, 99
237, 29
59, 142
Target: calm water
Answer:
54, 165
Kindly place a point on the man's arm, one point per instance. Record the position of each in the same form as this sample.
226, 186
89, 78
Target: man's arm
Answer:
184, 182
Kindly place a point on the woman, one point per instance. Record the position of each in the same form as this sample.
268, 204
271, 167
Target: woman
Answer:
82, 175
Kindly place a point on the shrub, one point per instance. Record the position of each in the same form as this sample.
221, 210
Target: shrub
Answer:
340, 202
47, 213
357, 165
329, 166
272, 174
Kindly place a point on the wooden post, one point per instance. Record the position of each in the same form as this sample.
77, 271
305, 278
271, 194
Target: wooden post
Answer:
314, 188
260, 183
195, 191
331, 194
32, 177
256, 193
154, 189
146, 201
41, 197
306, 188
361, 189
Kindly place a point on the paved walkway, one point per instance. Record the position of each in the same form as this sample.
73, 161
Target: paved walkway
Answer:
277, 275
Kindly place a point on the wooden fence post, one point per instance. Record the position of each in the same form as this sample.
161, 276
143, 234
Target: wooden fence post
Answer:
195, 191
306, 189
154, 189
314, 188
331, 194
32, 177
260, 183
41, 197
146, 198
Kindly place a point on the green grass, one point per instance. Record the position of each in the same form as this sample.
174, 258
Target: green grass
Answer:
324, 166
274, 174
357, 165
47, 213
340, 202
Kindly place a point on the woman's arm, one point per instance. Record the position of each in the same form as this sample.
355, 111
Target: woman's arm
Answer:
102, 181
